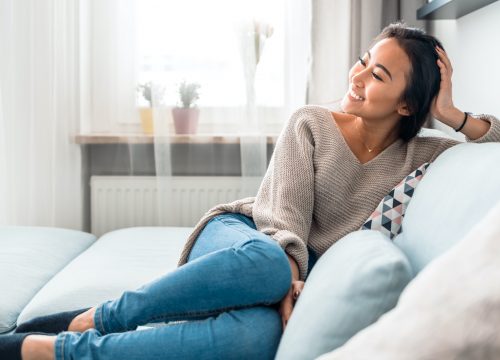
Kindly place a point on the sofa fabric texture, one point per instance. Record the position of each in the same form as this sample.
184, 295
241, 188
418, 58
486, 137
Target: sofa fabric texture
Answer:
29, 258
120, 260
59, 271
356, 281
451, 310
445, 206
457, 191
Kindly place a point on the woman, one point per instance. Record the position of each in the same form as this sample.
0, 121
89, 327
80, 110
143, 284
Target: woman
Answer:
246, 262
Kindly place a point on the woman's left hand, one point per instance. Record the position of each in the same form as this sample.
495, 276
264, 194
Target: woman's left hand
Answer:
442, 107
288, 302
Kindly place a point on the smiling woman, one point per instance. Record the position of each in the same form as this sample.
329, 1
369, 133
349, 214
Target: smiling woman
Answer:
395, 87
245, 263
389, 78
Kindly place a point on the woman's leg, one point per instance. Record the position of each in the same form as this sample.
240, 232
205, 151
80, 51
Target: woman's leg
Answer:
252, 333
231, 266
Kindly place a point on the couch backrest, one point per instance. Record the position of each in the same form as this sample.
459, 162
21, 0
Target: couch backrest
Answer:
458, 189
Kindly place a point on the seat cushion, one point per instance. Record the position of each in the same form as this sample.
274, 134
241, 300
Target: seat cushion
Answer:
29, 257
451, 310
459, 188
120, 260
356, 281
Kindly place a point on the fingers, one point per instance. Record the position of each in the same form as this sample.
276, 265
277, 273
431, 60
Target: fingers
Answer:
297, 287
288, 302
286, 307
445, 69
445, 75
444, 60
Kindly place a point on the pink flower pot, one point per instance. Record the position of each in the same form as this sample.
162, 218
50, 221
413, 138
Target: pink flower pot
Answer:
185, 120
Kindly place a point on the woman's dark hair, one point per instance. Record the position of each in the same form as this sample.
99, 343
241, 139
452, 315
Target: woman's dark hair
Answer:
424, 77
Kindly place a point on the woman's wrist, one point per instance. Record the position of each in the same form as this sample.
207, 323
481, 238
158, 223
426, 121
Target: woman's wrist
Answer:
473, 127
453, 118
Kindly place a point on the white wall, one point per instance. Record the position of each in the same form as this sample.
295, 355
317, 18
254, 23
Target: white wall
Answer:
473, 45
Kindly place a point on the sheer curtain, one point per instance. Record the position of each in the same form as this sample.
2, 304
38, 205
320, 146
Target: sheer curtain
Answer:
40, 167
115, 67
250, 59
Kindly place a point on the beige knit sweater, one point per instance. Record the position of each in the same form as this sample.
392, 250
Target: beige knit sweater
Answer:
316, 191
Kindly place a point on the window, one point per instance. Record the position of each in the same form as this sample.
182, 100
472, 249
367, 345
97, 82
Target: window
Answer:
199, 41
125, 43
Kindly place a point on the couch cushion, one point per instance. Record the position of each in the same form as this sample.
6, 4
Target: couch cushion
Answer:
451, 310
29, 257
120, 260
356, 281
456, 192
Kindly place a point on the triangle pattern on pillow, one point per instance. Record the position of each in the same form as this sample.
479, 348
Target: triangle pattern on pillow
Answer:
388, 215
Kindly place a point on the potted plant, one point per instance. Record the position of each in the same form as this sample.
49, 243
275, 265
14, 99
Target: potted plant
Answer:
186, 114
149, 91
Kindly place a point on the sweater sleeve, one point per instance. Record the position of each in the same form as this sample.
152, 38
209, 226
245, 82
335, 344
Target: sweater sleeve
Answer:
284, 203
493, 133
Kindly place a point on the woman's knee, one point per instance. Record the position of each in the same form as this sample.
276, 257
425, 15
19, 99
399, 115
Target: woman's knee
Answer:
269, 258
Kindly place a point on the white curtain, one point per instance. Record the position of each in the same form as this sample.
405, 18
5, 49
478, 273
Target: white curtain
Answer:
40, 165
73, 67
250, 57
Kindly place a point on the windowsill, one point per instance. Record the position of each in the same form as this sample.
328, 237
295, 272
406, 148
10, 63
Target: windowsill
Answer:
107, 138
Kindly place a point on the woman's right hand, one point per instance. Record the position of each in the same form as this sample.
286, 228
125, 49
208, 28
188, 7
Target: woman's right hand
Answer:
288, 302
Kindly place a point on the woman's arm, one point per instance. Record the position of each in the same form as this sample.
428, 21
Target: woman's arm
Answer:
445, 111
283, 207
284, 204
474, 128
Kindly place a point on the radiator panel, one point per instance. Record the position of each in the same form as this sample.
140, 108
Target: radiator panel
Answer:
125, 201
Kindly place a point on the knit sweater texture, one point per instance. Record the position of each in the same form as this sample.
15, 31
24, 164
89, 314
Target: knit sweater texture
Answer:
316, 191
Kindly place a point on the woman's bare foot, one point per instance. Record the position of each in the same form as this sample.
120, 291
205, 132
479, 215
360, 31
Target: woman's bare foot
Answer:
38, 347
83, 322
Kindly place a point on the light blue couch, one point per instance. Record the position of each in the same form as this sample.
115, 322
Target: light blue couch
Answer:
354, 282
45, 270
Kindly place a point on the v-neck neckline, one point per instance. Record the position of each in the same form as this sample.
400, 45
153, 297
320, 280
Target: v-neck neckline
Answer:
336, 129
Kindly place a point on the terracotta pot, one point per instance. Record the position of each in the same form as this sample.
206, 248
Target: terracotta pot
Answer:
147, 120
185, 120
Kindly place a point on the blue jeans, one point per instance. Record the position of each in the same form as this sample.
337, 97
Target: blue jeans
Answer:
222, 304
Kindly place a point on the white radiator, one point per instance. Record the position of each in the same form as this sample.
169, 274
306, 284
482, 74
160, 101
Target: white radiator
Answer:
124, 201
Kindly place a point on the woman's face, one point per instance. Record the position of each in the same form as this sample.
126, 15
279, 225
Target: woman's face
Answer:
379, 79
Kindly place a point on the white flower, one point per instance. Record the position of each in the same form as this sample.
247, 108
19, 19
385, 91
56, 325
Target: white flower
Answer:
262, 31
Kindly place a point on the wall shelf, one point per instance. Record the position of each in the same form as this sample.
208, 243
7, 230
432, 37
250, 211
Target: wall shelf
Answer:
450, 9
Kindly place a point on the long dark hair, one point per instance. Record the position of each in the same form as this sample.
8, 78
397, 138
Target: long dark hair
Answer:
424, 77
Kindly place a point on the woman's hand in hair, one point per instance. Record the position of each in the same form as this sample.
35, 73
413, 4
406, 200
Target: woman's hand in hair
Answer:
442, 107
288, 302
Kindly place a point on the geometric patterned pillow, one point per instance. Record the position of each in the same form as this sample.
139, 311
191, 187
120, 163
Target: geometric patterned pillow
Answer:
389, 214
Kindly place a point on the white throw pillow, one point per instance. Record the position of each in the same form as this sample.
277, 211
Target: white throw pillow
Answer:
451, 310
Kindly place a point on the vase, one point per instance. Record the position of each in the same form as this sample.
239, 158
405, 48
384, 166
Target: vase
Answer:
185, 120
146, 115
